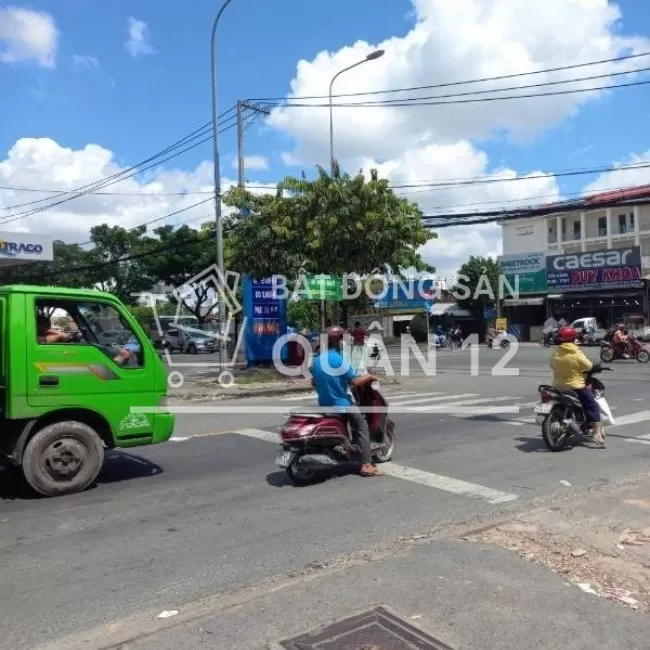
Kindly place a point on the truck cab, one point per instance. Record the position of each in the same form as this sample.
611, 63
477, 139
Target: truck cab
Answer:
67, 396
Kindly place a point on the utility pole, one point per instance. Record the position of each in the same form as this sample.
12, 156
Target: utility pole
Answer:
241, 130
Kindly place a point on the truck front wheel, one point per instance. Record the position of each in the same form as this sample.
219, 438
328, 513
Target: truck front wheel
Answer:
63, 458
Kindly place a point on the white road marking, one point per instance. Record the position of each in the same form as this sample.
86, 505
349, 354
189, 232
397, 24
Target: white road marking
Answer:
428, 479
259, 434
447, 484
449, 408
633, 418
431, 398
641, 440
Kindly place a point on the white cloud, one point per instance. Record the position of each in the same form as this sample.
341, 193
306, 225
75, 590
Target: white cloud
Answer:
461, 160
138, 43
254, 163
27, 36
622, 178
85, 62
452, 41
42, 163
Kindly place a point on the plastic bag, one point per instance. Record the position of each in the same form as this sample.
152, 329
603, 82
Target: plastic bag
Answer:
606, 412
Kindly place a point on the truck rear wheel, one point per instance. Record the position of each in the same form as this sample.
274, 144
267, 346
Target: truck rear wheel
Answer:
63, 458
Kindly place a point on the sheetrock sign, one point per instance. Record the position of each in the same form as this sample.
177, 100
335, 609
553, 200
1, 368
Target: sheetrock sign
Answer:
619, 268
20, 246
531, 269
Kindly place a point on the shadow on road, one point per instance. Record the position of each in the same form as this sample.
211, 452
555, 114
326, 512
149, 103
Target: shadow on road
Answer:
118, 466
531, 445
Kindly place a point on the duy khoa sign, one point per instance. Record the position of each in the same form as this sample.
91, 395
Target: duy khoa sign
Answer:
605, 269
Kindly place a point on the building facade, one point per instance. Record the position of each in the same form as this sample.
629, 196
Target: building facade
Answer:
585, 258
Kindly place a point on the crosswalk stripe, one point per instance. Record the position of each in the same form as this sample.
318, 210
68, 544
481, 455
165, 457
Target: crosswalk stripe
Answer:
447, 483
632, 418
468, 402
431, 398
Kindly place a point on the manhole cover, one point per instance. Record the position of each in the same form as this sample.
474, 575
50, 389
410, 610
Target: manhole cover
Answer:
377, 629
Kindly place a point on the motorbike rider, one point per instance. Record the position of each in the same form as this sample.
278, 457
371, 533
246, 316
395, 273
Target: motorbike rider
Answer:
332, 393
620, 340
569, 365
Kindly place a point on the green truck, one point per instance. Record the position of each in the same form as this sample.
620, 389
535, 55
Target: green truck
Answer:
67, 392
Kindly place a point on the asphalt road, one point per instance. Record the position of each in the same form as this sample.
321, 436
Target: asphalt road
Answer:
209, 514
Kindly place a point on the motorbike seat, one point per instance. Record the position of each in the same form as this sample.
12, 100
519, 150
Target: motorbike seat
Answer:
567, 391
318, 414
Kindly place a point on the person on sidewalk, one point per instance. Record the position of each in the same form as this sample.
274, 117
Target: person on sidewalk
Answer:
569, 365
358, 334
332, 390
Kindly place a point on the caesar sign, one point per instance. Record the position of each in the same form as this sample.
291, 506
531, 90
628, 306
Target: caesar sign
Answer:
597, 260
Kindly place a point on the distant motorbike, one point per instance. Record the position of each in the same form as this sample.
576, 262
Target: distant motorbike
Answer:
561, 414
549, 338
315, 440
635, 350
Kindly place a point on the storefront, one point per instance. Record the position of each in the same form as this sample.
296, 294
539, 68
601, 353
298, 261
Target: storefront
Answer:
525, 308
20, 248
605, 284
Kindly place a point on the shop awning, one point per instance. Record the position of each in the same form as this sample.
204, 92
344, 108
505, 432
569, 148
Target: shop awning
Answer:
523, 302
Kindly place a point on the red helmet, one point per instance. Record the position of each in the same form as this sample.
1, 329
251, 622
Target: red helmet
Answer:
335, 336
567, 335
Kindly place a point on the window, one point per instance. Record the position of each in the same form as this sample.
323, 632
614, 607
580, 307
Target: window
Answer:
622, 223
69, 322
576, 230
602, 226
632, 221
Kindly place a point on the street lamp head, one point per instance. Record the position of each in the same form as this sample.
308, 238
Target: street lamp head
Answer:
377, 54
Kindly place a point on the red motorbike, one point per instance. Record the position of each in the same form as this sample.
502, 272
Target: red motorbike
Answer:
635, 350
317, 440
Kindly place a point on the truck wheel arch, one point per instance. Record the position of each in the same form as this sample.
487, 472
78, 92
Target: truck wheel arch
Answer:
30, 427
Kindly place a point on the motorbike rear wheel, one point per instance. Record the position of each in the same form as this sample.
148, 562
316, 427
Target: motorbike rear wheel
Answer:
301, 475
643, 356
555, 435
386, 454
607, 354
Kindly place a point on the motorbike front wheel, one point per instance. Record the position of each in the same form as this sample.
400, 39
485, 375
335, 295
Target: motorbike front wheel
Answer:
555, 434
301, 475
386, 454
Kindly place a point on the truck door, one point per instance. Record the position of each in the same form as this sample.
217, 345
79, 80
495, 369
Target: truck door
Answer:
87, 365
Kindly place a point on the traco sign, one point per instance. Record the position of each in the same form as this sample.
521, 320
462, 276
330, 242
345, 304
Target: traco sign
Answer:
12, 248
606, 269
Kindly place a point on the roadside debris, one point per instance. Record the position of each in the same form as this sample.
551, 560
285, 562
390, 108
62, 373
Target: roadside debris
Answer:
168, 613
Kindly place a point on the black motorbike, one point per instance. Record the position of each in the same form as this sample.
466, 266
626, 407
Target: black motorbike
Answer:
549, 338
561, 414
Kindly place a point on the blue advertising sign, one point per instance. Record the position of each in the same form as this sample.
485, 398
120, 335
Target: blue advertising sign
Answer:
266, 318
410, 294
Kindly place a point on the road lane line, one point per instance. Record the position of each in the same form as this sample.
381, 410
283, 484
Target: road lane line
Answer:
431, 398
632, 418
449, 408
447, 484
641, 440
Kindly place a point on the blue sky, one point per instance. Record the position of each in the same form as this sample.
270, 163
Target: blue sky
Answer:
134, 106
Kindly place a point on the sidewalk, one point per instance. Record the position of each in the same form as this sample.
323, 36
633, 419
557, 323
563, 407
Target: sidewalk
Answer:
459, 590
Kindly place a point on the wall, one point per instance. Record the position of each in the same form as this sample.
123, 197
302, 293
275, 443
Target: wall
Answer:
523, 236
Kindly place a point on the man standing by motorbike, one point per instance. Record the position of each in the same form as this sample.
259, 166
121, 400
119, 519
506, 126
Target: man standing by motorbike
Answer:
569, 365
332, 388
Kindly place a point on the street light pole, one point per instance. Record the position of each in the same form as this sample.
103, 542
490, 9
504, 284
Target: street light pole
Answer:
377, 54
218, 221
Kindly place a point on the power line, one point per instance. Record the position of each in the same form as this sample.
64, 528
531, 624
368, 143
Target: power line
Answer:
460, 83
415, 103
124, 174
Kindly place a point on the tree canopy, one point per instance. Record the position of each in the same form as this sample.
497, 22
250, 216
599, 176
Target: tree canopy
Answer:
330, 225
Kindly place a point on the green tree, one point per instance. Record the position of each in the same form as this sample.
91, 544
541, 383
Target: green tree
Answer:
478, 287
121, 263
302, 314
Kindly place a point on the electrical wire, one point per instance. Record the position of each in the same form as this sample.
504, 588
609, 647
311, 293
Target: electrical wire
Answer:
574, 66
196, 138
401, 103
